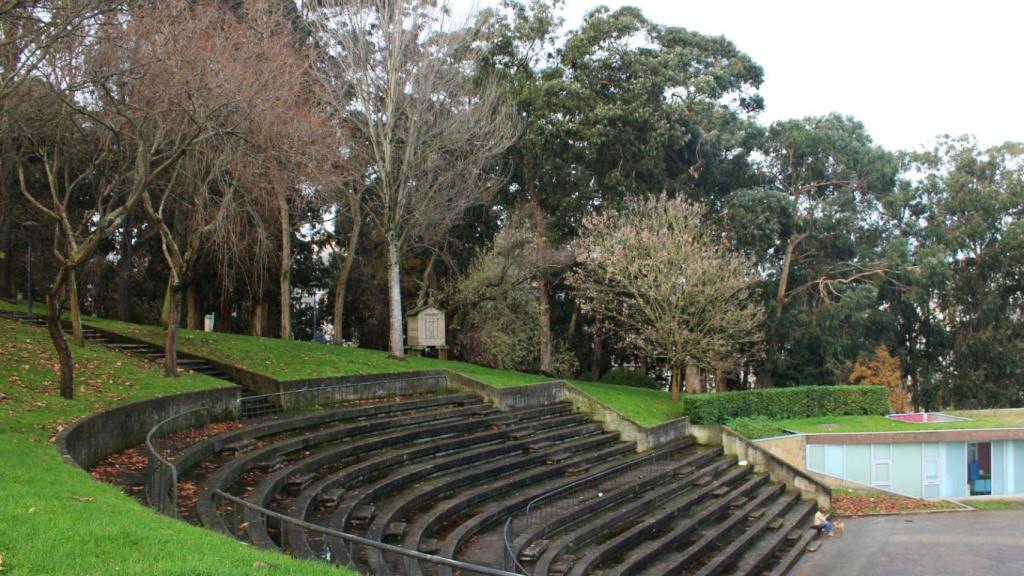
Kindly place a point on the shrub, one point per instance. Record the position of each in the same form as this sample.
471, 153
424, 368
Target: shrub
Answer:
782, 403
756, 427
621, 377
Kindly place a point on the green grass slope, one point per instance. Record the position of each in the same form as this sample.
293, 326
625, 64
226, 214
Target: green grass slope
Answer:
292, 360
55, 519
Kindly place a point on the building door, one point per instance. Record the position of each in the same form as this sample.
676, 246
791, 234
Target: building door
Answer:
930, 470
979, 468
881, 466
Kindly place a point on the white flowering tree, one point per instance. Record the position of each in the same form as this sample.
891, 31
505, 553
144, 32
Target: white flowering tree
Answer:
660, 275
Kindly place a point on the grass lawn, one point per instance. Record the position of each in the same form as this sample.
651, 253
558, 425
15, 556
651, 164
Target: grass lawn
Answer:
292, 360
55, 519
645, 406
828, 424
995, 504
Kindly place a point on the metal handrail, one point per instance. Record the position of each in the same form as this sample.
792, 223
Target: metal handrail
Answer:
384, 547
649, 456
157, 460
511, 561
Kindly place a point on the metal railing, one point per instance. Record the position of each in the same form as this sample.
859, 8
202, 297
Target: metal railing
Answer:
234, 507
546, 507
163, 442
306, 399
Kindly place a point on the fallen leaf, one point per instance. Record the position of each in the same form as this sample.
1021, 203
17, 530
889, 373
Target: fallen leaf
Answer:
83, 499
262, 565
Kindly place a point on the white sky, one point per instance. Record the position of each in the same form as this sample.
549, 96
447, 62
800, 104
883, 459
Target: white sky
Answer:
909, 69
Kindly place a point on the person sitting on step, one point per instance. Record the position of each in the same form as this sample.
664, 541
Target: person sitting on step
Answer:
822, 522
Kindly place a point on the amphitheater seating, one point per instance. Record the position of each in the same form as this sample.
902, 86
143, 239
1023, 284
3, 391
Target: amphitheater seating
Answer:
443, 474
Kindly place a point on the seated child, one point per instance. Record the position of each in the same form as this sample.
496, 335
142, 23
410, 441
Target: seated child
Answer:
821, 521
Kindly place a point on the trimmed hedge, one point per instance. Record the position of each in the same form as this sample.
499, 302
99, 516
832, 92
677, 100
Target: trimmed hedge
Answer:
782, 403
636, 379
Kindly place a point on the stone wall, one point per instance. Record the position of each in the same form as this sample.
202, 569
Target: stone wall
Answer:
764, 461
103, 433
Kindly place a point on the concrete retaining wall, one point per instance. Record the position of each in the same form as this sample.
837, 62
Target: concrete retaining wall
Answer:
763, 461
99, 435
532, 395
358, 387
787, 448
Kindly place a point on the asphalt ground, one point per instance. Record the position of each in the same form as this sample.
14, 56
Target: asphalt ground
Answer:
989, 543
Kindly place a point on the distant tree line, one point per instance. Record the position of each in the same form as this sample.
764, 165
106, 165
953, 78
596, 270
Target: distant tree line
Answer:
257, 159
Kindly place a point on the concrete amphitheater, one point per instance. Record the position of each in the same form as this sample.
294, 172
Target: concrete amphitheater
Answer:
461, 478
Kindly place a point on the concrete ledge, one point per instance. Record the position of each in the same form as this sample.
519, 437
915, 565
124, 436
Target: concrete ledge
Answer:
764, 461
362, 386
109, 431
532, 395
645, 438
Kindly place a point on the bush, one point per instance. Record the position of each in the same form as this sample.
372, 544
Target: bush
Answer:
782, 403
756, 427
621, 377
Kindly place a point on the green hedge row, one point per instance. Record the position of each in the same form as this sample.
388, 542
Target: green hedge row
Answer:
782, 403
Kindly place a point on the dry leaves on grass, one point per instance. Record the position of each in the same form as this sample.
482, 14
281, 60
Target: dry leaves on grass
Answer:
860, 505
83, 499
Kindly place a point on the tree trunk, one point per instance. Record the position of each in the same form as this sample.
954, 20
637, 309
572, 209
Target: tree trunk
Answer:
223, 321
60, 344
597, 356
7, 288
6, 204
396, 335
124, 272
574, 319
546, 361
173, 297
286, 267
787, 265
693, 383
259, 318
341, 284
677, 381
427, 282
720, 381
76, 310
193, 310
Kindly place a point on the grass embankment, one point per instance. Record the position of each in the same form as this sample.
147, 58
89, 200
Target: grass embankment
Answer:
832, 424
56, 520
293, 360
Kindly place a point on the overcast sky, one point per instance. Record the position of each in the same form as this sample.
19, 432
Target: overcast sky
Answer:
909, 69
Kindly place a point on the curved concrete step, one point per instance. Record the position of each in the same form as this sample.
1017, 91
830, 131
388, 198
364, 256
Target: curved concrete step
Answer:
603, 527
768, 541
303, 505
773, 495
639, 545
232, 471
579, 436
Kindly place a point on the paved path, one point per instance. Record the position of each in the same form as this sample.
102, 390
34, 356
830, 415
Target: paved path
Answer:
960, 543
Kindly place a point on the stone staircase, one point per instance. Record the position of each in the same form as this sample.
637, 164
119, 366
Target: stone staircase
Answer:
254, 405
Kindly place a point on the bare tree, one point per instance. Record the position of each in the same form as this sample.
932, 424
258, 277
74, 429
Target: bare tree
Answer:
245, 69
663, 278
87, 140
405, 79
